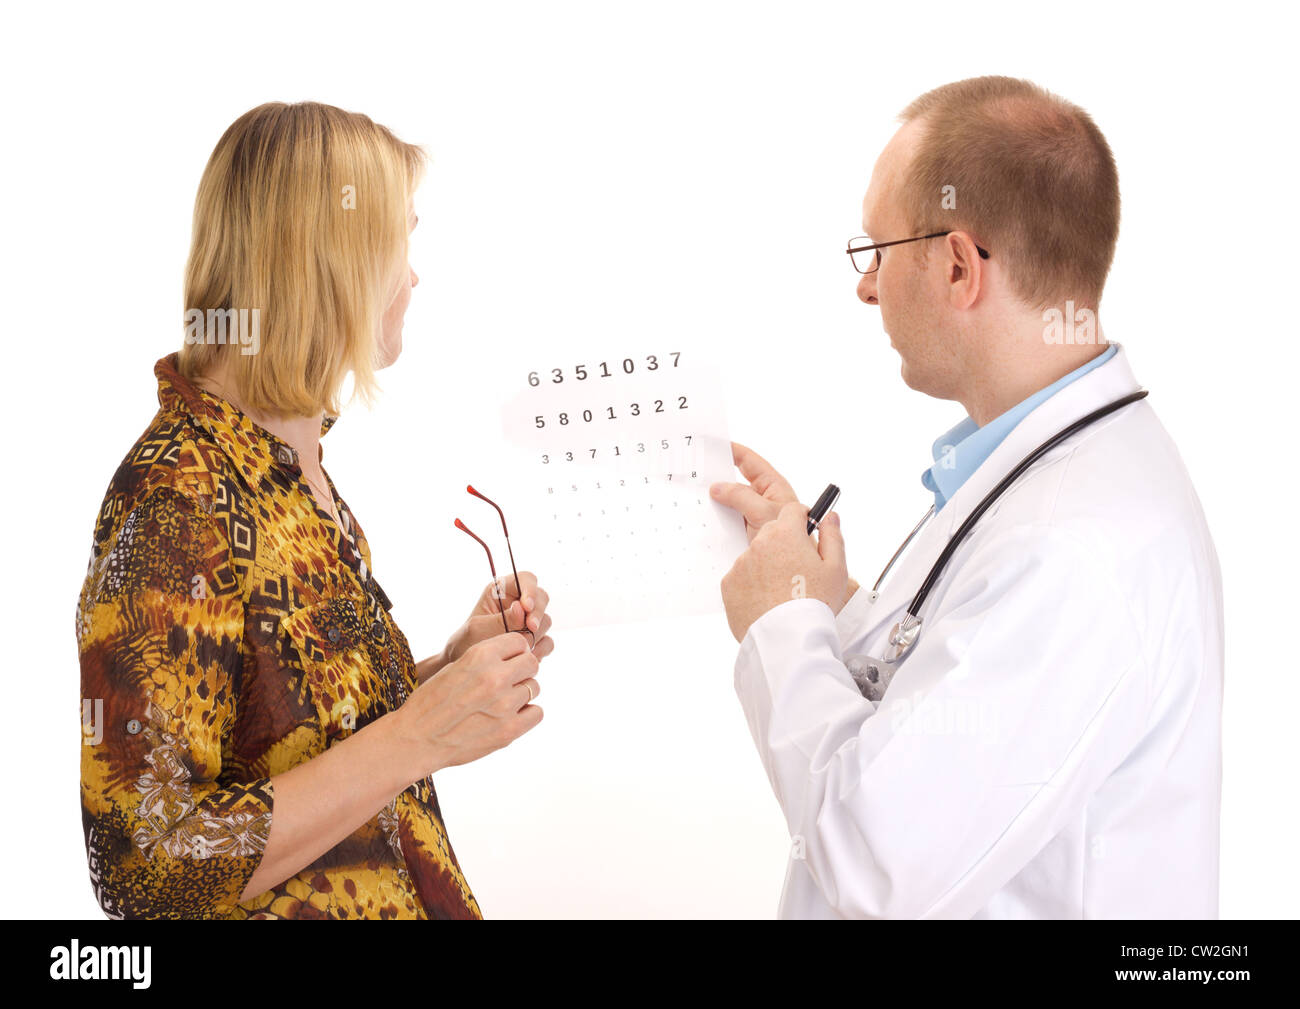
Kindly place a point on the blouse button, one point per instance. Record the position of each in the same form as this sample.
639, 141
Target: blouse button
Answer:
285, 454
334, 635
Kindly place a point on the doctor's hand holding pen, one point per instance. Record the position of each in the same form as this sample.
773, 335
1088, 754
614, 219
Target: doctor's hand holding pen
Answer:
783, 562
760, 500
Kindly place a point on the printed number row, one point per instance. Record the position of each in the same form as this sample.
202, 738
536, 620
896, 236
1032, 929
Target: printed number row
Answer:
588, 416
640, 448
580, 372
622, 483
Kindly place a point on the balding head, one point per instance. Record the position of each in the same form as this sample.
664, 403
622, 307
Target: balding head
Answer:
1026, 171
1021, 188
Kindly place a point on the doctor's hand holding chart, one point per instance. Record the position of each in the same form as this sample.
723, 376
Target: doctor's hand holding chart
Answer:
782, 562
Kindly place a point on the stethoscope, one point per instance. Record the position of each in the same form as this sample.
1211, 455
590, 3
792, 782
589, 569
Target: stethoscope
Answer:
869, 675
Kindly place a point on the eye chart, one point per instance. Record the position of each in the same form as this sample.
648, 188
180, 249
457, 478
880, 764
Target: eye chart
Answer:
615, 454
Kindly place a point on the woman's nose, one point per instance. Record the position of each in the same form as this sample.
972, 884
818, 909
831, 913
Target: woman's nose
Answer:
414, 279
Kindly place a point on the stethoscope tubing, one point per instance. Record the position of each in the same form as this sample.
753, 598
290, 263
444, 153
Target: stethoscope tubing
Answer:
914, 608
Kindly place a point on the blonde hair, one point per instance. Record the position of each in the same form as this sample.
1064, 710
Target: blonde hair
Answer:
1033, 179
301, 214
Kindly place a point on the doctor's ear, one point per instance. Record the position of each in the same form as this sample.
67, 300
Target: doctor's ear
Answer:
966, 274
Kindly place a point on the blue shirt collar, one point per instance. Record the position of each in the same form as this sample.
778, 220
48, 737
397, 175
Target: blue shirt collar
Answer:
960, 450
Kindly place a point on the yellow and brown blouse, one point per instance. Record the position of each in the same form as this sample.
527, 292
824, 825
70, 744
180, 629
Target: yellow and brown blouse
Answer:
228, 630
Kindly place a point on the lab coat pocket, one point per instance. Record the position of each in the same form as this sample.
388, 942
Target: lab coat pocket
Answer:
330, 638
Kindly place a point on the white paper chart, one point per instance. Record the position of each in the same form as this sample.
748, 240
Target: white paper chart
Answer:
615, 454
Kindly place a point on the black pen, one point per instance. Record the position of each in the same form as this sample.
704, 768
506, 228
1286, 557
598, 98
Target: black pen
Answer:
824, 504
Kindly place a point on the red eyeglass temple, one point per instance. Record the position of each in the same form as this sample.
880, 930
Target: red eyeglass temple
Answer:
518, 588
509, 548
500, 605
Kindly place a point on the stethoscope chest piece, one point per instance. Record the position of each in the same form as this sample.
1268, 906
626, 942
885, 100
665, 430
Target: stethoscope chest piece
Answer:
902, 637
872, 675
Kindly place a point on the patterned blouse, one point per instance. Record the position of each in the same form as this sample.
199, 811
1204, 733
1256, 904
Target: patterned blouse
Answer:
228, 631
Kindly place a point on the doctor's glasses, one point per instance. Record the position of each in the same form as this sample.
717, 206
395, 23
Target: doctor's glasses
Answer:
496, 585
865, 254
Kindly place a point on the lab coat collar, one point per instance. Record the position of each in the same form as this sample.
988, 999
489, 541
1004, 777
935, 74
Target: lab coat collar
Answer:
1103, 384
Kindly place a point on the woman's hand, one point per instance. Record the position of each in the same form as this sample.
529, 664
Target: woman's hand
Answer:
477, 704
484, 621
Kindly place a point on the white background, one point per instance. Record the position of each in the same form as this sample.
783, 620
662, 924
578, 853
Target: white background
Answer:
692, 167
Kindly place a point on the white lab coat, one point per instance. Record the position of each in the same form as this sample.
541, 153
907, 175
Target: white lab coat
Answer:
1051, 747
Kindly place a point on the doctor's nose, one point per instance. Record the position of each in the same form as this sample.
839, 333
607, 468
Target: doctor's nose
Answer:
867, 289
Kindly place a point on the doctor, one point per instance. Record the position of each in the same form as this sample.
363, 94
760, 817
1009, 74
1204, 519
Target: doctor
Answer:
1047, 744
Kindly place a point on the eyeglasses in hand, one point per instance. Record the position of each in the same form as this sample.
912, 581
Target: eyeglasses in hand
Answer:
496, 586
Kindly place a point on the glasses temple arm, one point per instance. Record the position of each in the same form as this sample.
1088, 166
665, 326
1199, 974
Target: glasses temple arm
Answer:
509, 548
500, 605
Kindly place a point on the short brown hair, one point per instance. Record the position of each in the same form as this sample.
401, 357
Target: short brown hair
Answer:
1033, 180
301, 214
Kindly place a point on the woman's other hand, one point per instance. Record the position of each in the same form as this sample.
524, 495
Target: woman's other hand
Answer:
484, 621
476, 704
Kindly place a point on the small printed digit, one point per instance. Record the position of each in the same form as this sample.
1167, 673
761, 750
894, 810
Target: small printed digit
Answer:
636, 409
564, 418
681, 402
659, 406
559, 376
654, 363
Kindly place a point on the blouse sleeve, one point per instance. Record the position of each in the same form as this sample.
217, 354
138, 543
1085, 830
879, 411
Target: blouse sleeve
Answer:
159, 627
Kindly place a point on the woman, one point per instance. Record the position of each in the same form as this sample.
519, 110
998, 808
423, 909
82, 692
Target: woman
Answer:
264, 742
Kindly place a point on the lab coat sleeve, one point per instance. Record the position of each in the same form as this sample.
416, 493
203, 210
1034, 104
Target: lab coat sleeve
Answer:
1011, 710
854, 617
